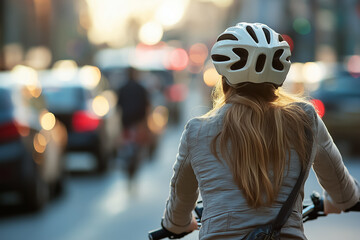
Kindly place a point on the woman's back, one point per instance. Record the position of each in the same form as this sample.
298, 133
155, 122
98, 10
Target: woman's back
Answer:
225, 208
245, 155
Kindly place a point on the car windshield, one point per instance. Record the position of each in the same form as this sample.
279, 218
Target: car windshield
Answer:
5, 100
66, 99
342, 84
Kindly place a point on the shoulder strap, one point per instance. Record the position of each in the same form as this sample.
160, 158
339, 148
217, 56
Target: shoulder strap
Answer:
288, 206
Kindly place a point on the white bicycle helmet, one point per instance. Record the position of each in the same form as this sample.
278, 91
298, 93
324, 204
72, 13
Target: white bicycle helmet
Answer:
251, 52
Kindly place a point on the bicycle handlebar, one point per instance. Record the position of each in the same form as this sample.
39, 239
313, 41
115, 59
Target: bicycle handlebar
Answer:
310, 212
163, 233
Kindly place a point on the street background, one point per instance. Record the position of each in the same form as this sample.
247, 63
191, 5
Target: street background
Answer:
49, 44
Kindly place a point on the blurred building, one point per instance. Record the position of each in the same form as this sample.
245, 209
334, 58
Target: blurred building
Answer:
39, 32
323, 30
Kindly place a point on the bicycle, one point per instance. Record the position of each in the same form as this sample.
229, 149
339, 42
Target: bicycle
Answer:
310, 212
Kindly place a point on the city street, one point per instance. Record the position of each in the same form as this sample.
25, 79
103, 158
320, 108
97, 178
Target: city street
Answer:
102, 207
103, 78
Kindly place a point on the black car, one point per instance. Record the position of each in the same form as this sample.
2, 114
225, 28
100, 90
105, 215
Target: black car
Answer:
32, 142
90, 127
338, 102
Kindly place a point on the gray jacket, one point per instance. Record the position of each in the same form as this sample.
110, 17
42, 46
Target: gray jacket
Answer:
226, 214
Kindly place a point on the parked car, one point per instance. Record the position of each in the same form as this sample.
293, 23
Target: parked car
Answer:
338, 102
32, 142
88, 111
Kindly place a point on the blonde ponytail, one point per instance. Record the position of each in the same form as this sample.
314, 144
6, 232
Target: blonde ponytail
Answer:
259, 130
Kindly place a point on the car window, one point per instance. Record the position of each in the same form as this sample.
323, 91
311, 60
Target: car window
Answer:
342, 84
65, 99
5, 100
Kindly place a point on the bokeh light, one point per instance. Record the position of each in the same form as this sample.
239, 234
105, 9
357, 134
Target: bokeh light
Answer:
65, 70
90, 76
151, 33
23, 130
170, 12
222, 3
65, 64
158, 119
111, 97
29, 77
211, 77
353, 65
177, 92
100, 106
47, 120
39, 143
289, 40
295, 73
319, 107
302, 26
39, 57
198, 53
107, 21
313, 72
25, 74
178, 59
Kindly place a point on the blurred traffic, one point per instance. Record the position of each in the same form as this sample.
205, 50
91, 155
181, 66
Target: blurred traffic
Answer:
32, 142
83, 101
114, 82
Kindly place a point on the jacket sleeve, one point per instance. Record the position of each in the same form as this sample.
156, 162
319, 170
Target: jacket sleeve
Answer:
183, 189
340, 187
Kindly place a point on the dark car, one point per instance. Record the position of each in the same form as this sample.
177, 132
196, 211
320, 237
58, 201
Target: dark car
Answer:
338, 102
32, 142
91, 127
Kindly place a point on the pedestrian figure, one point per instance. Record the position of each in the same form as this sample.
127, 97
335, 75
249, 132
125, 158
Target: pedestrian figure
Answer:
134, 103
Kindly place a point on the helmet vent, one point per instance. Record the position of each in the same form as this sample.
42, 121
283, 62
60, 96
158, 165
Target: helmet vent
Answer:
243, 54
267, 35
227, 36
250, 30
281, 38
276, 64
219, 58
260, 63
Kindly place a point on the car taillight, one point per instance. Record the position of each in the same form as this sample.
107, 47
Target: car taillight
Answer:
83, 121
8, 131
319, 107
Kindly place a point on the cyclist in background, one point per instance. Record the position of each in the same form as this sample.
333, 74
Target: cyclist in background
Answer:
134, 102
245, 155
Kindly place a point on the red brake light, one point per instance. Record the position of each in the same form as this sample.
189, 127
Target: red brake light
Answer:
83, 121
319, 107
8, 131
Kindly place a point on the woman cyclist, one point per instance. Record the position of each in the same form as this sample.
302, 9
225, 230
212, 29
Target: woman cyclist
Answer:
245, 155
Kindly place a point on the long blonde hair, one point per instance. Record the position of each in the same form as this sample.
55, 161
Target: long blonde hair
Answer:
261, 126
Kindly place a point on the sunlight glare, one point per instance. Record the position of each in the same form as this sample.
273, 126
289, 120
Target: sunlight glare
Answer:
151, 33
170, 12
